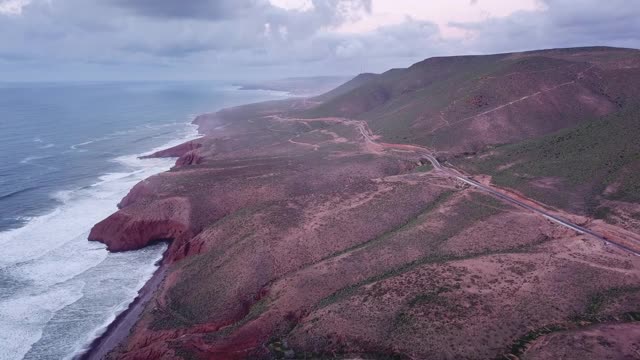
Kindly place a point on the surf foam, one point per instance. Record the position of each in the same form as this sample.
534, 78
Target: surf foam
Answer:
60, 291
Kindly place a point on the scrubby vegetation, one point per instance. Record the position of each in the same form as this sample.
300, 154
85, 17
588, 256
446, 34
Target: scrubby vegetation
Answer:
466, 213
308, 241
595, 312
441, 102
423, 168
600, 158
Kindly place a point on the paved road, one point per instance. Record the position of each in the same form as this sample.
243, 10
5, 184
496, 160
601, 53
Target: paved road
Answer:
367, 134
436, 164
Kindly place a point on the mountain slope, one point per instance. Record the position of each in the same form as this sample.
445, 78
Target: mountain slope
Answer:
465, 103
307, 239
346, 87
578, 169
312, 238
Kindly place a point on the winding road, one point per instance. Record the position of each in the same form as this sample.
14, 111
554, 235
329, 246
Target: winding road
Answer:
373, 144
521, 204
426, 153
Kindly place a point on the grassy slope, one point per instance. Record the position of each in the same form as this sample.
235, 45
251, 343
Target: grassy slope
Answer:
395, 98
409, 105
346, 87
600, 153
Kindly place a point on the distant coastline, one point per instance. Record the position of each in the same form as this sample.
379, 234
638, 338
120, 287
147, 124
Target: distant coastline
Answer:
296, 86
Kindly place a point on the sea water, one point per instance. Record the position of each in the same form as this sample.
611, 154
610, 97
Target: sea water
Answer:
68, 154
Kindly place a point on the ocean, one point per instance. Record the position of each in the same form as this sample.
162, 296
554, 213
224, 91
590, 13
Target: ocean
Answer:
68, 154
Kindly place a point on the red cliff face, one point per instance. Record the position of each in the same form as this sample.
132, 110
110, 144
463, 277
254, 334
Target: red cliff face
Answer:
176, 151
186, 153
138, 225
190, 158
314, 239
139, 191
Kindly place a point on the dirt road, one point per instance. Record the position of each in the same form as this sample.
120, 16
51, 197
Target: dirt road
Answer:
371, 142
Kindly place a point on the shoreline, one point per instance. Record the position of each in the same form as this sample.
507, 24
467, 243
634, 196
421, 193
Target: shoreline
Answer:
118, 330
117, 315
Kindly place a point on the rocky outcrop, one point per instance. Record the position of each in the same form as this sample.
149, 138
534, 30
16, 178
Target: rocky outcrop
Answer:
139, 191
138, 225
190, 158
186, 153
176, 151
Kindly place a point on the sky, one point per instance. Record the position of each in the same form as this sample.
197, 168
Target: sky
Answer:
77, 40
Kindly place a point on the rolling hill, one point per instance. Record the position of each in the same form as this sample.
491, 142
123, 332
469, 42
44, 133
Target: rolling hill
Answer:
328, 228
465, 103
579, 169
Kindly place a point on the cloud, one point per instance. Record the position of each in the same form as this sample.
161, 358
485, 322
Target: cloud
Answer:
298, 5
279, 38
386, 12
559, 23
195, 9
12, 7
173, 50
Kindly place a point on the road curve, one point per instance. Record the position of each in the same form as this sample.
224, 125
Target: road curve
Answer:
436, 164
368, 137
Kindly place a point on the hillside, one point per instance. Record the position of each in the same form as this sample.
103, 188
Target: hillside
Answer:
464, 103
296, 238
346, 87
321, 228
580, 169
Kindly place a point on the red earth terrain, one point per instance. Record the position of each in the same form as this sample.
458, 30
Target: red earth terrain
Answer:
299, 236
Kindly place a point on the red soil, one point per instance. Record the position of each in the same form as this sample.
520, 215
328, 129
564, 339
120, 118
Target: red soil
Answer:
301, 238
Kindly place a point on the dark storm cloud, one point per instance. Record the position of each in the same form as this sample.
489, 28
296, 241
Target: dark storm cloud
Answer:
323, 10
235, 38
177, 50
263, 34
195, 9
563, 23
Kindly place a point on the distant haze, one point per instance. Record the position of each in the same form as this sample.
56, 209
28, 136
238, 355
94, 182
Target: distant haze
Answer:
247, 40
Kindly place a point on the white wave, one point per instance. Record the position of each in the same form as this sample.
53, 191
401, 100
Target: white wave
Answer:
144, 274
76, 146
30, 159
50, 255
91, 141
191, 133
161, 126
22, 319
81, 209
126, 132
62, 196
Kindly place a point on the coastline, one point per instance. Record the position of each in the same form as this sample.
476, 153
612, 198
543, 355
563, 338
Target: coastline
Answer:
76, 277
119, 328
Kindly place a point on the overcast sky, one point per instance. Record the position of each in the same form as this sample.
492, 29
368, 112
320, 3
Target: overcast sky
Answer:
244, 39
